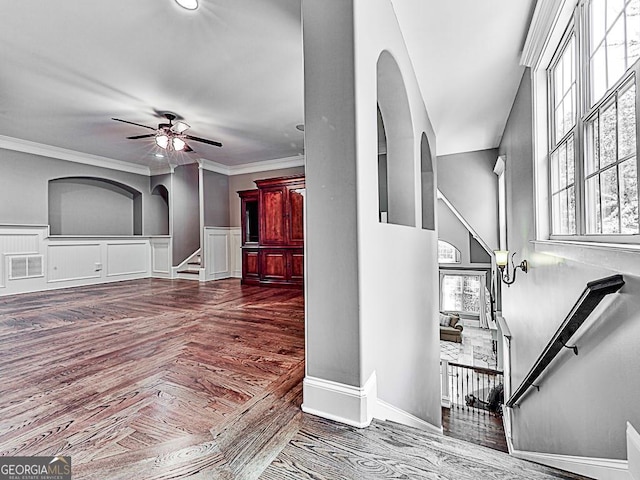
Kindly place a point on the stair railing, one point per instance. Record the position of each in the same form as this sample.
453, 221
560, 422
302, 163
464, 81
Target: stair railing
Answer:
588, 301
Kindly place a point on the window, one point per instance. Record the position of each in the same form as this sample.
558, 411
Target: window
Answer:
592, 104
447, 253
462, 292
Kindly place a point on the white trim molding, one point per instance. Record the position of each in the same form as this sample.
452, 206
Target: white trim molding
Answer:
385, 411
598, 468
622, 258
342, 403
25, 146
253, 167
633, 452
544, 18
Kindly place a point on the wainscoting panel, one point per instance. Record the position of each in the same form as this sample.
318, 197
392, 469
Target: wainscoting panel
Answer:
69, 262
161, 257
127, 259
217, 261
75, 260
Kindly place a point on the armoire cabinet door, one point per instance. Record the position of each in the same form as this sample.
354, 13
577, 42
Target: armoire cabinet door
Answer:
273, 215
295, 217
250, 265
274, 265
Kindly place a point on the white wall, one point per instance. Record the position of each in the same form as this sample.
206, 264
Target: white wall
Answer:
371, 287
468, 182
584, 401
24, 185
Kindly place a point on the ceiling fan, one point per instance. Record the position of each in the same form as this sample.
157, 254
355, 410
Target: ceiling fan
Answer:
170, 136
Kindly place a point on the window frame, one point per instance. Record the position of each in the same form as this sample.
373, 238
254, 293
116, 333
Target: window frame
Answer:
457, 254
464, 273
577, 23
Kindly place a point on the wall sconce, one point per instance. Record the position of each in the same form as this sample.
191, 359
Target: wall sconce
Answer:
502, 261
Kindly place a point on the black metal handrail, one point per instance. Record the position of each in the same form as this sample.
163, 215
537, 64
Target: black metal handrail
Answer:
590, 298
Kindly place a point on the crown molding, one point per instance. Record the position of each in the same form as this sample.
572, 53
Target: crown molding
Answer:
40, 149
163, 170
254, 167
25, 146
544, 18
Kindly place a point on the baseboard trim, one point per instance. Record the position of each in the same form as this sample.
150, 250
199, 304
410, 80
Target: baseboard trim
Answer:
597, 468
386, 411
339, 402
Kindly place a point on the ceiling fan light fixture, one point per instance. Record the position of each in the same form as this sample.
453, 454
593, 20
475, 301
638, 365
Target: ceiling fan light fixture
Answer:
162, 141
177, 144
188, 4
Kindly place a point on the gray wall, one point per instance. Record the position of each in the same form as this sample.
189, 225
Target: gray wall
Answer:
333, 334
451, 230
246, 182
216, 199
24, 183
86, 206
186, 212
584, 401
159, 225
468, 182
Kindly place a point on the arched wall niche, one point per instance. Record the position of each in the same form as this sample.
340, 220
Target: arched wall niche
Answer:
427, 185
162, 227
93, 206
397, 127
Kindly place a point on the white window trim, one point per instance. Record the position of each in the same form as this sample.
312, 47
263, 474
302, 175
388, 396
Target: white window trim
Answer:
483, 284
548, 26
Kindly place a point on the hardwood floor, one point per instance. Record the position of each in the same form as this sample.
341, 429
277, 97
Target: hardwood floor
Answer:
157, 379
325, 450
152, 378
478, 427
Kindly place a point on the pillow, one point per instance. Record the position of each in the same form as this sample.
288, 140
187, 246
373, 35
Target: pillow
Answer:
454, 319
444, 319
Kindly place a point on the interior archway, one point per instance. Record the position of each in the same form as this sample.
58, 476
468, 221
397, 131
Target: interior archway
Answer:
397, 126
427, 185
162, 227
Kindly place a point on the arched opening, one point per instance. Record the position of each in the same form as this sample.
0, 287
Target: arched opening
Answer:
428, 185
93, 206
394, 123
447, 253
160, 195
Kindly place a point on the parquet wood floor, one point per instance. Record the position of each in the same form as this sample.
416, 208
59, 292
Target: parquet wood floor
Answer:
158, 379
152, 378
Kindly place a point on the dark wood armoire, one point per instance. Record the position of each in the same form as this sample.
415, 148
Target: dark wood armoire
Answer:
273, 232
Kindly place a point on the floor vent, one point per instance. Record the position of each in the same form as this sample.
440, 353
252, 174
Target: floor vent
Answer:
28, 266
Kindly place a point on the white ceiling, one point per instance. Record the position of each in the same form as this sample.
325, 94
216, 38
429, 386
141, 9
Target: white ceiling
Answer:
232, 70
466, 55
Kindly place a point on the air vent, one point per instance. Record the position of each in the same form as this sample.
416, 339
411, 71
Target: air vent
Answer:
29, 266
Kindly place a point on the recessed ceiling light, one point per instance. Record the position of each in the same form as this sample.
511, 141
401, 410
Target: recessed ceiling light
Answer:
188, 4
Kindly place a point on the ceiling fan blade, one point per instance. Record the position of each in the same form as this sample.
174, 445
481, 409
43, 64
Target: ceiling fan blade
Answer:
187, 148
136, 137
203, 140
180, 127
132, 123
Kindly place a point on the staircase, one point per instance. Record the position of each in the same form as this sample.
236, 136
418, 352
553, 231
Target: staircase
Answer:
190, 270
